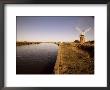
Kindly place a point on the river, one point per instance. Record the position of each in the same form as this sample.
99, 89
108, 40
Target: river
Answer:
36, 58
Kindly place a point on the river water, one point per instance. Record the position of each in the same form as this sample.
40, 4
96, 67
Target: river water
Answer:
36, 58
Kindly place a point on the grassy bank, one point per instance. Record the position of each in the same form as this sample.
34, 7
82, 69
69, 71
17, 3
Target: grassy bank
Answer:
75, 59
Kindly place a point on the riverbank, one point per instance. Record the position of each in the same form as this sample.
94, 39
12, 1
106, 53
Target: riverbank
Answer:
28, 43
75, 59
25, 43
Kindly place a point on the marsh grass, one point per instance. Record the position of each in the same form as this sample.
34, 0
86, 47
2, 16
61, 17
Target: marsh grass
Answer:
75, 59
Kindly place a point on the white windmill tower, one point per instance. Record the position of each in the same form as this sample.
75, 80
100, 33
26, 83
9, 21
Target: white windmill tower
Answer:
82, 34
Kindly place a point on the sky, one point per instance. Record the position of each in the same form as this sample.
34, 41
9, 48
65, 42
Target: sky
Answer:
53, 28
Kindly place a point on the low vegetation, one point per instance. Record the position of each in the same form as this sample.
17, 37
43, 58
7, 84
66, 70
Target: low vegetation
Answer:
25, 43
75, 58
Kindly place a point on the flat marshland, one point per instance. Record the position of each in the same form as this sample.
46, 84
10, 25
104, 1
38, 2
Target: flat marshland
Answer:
75, 59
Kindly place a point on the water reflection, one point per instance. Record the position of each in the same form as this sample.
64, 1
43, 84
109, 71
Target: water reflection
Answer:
36, 58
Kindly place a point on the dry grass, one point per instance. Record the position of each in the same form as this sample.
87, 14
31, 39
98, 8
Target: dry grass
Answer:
75, 59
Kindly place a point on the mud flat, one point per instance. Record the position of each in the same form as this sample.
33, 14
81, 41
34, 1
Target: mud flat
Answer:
74, 59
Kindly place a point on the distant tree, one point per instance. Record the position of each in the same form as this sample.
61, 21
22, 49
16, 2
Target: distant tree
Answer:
90, 42
76, 41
